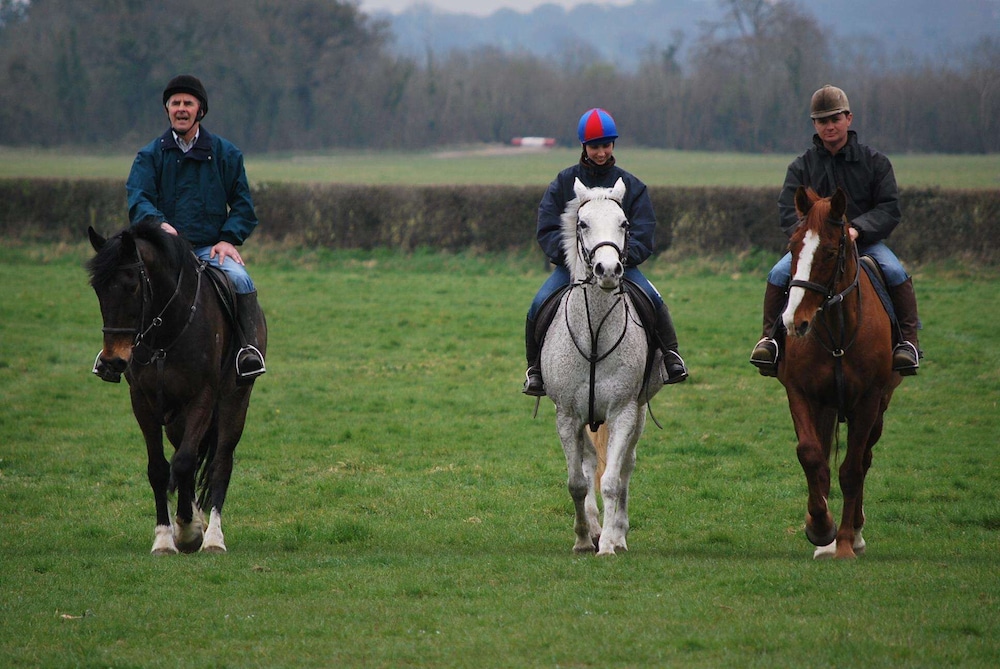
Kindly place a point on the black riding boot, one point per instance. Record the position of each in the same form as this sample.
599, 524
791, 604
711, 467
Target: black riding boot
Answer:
906, 355
667, 336
765, 353
533, 384
249, 359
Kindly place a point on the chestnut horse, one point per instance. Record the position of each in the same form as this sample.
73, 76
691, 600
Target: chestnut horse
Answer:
837, 365
166, 329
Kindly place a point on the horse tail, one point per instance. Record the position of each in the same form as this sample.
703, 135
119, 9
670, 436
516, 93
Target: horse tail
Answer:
600, 441
206, 455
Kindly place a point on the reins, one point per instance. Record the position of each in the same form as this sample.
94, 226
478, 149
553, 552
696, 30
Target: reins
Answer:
595, 334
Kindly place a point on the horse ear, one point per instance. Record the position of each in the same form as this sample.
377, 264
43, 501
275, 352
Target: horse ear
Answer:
618, 192
838, 204
96, 240
579, 189
802, 201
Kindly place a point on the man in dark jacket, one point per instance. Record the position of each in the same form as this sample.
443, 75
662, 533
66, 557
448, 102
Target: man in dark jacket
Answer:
195, 184
597, 169
837, 158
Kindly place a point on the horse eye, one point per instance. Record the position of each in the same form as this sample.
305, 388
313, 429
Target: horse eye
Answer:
583, 226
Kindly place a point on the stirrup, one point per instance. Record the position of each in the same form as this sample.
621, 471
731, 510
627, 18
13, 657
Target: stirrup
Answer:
768, 365
533, 389
676, 377
905, 359
249, 373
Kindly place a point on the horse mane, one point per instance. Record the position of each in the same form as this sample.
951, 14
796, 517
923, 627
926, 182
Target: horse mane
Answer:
568, 220
174, 249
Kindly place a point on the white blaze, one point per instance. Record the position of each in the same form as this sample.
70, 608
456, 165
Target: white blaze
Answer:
809, 245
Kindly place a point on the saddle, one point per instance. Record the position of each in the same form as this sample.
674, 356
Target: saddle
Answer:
640, 301
224, 289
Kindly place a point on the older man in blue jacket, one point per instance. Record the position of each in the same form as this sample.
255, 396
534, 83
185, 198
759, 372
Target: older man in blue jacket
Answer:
195, 184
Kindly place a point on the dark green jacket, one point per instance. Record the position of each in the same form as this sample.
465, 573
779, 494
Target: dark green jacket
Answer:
865, 175
204, 193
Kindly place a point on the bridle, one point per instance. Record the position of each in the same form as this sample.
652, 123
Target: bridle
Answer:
835, 342
145, 332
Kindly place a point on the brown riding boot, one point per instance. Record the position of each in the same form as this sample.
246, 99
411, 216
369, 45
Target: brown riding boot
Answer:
765, 353
906, 355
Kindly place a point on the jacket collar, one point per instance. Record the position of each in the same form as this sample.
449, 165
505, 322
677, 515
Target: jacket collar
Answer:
202, 149
850, 151
593, 168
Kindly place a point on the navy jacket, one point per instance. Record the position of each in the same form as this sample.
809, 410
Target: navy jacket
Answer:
865, 175
204, 193
637, 206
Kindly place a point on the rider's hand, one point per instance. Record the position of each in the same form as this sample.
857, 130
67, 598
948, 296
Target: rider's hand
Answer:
226, 250
169, 229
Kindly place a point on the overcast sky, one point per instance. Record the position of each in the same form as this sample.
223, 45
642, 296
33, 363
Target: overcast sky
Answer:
477, 7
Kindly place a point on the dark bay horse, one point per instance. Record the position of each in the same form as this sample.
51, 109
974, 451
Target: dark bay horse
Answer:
837, 366
166, 329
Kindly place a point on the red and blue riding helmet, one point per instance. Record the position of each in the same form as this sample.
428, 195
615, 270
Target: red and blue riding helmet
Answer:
596, 127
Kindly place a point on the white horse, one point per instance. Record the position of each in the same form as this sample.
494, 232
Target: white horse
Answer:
594, 358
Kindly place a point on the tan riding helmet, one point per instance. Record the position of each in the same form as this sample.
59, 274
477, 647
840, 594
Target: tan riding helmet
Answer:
828, 101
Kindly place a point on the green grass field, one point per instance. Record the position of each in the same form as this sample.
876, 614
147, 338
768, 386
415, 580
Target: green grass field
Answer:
395, 505
500, 165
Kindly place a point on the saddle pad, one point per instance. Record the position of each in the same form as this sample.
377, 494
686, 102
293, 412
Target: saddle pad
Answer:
878, 281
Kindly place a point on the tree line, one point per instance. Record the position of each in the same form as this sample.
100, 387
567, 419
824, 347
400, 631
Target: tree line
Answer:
304, 75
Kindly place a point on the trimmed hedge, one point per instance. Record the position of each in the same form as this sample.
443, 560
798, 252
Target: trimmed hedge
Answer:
938, 224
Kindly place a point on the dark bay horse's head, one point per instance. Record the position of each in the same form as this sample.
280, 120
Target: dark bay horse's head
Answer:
129, 274
595, 234
819, 250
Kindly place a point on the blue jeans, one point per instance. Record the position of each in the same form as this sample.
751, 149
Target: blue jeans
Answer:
781, 273
560, 277
237, 273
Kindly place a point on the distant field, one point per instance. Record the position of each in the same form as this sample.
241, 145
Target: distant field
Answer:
502, 165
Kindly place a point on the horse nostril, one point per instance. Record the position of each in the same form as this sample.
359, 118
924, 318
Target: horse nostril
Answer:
802, 328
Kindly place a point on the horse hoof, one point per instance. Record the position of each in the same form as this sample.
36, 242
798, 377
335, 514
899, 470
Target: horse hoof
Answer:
163, 550
821, 540
213, 548
189, 548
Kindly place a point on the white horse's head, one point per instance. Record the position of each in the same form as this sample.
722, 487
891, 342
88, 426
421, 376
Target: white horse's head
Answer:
595, 234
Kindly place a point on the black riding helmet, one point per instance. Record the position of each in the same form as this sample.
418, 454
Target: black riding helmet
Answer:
186, 83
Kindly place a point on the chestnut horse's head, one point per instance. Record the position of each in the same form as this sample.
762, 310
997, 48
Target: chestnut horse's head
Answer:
819, 248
